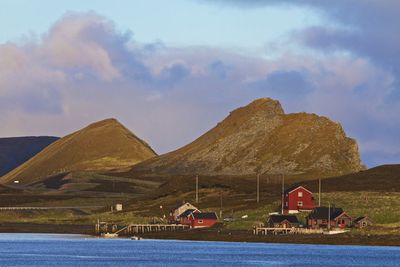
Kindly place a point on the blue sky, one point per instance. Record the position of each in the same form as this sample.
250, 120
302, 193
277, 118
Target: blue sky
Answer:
180, 66
175, 23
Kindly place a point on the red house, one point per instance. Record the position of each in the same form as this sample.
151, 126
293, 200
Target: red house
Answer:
296, 199
203, 219
185, 217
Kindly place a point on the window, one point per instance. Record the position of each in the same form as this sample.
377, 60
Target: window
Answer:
286, 204
200, 221
300, 203
300, 194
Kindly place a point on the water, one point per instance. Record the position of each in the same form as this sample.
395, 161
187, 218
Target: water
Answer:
76, 250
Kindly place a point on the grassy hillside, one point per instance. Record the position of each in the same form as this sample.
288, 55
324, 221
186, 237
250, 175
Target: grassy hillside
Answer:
385, 178
373, 193
16, 150
104, 145
260, 138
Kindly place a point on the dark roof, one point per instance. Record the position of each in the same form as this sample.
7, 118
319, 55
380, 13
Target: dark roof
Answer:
294, 187
186, 213
323, 212
361, 219
280, 218
205, 215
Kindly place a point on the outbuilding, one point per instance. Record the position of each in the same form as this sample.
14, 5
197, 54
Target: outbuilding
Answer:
362, 222
178, 210
185, 217
203, 219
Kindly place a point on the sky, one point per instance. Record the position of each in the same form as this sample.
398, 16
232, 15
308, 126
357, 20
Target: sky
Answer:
171, 70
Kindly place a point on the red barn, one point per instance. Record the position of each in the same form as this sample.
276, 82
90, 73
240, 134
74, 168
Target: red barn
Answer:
203, 219
296, 199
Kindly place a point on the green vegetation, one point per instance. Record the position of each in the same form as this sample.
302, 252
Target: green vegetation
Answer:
70, 217
381, 208
254, 217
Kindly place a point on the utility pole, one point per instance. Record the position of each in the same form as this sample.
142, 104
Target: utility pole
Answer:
258, 188
319, 192
220, 210
329, 216
283, 192
197, 189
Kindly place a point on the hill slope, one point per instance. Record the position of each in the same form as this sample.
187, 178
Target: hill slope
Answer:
260, 137
16, 150
104, 145
385, 178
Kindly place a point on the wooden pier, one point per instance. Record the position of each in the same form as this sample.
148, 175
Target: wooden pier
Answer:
146, 228
276, 231
103, 227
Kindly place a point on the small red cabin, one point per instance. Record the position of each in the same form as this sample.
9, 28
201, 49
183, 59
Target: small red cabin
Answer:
179, 210
296, 199
203, 219
185, 217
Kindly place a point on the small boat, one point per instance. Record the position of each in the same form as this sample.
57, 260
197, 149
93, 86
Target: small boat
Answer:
335, 232
109, 235
135, 238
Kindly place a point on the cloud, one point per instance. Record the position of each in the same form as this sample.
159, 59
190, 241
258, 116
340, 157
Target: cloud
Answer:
172, 74
282, 84
365, 28
84, 69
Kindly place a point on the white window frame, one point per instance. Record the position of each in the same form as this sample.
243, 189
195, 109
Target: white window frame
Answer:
300, 194
300, 203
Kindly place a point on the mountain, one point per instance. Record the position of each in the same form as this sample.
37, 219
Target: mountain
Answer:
261, 138
104, 145
16, 150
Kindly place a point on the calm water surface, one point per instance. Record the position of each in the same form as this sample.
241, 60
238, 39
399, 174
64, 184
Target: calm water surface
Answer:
76, 250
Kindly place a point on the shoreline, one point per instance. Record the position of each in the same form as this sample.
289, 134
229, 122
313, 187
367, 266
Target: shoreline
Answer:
213, 234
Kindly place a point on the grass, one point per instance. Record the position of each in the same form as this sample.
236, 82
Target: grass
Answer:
379, 229
254, 217
41, 216
70, 217
124, 218
381, 208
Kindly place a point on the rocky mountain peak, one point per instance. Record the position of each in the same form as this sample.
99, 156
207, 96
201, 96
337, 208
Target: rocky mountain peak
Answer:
264, 106
260, 137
